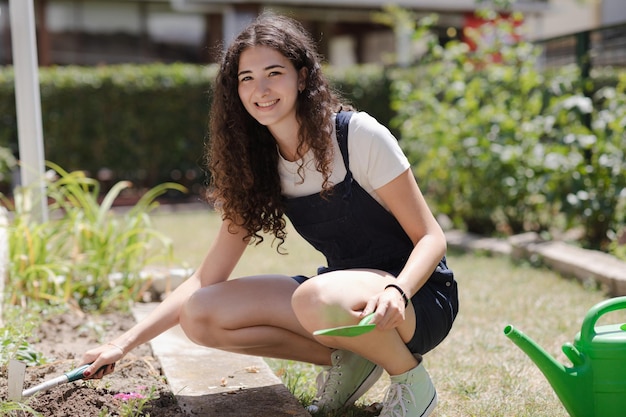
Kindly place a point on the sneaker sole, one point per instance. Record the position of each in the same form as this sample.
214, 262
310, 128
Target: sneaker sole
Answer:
366, 385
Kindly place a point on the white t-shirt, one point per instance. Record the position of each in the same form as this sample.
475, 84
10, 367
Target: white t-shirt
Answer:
375, 160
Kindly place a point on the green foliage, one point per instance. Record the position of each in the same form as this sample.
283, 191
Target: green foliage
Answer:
593, 187
18, 325
364, 86
86, 256
144, 123
500, 146
17, 409
7, 163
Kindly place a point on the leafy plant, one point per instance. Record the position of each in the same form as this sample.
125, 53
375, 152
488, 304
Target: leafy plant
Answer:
15, 333
87, 256
594, 192
16, 409
502, 147
7, 163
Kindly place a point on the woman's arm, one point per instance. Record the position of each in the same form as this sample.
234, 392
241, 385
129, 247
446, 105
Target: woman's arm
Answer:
405, 201
218, 264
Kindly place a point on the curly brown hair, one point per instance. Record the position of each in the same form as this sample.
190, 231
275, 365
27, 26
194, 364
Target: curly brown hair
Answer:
241, 154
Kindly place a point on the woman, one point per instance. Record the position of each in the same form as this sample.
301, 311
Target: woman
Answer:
275, 152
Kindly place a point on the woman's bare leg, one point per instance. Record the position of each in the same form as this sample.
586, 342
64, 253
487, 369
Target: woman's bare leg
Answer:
337, 298
251, 315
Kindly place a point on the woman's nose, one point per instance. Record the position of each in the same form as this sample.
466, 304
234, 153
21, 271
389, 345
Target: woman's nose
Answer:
262, 87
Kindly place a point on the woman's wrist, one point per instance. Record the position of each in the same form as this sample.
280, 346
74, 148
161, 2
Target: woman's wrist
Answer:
115, 345
401, 291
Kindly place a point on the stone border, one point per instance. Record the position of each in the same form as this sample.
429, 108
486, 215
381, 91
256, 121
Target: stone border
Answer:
568, 260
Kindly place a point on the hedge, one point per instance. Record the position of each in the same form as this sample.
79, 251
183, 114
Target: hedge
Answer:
147, 123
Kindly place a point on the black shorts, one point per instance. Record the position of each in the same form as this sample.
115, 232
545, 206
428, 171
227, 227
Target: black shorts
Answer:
436, 305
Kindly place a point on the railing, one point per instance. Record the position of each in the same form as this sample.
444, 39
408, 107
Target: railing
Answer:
589, 49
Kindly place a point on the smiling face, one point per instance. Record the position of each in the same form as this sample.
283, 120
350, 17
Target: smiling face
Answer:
268, 86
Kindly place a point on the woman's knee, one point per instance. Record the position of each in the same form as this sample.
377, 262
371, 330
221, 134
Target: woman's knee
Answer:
312, 295
316, 305
197, 322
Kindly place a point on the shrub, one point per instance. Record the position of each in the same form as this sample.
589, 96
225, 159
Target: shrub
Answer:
499, 145
144, 123
86, 256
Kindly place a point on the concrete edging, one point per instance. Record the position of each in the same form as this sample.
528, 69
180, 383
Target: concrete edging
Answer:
583, 264
210, 382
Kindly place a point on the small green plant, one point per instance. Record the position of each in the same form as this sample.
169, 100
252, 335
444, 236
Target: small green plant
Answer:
17, 409
298, 377
104, 412
86, 256
14, 336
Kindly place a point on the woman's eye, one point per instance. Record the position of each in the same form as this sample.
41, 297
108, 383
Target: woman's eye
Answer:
242, 79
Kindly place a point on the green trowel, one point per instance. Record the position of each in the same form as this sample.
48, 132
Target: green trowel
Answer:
362, 327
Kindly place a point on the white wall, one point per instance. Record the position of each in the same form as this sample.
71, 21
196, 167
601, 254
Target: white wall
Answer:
613, 11
341, 51
563, 17
93, 17
163, 24
176, 27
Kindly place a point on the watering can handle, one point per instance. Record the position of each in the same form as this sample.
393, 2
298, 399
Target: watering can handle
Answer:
589, 323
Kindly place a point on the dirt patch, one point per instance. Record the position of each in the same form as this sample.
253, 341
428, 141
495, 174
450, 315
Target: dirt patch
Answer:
62, 340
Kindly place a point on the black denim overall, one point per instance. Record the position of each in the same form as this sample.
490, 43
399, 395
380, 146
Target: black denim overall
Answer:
353, 230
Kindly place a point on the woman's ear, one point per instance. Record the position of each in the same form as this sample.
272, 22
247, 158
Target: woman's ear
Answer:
303, 73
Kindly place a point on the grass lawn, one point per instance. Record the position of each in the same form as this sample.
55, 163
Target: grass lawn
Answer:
477, 370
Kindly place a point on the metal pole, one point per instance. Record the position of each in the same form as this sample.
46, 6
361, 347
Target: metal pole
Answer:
28, 106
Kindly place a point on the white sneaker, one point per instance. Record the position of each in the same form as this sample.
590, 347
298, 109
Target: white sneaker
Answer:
410, 394
340, 385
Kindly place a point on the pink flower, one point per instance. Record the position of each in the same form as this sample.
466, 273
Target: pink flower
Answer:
130, 396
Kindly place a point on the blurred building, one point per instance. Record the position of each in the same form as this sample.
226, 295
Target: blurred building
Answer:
92, 32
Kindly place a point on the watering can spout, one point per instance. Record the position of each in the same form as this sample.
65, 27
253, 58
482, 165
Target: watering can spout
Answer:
570, 384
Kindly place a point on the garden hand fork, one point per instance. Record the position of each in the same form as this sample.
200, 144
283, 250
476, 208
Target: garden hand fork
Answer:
17, 370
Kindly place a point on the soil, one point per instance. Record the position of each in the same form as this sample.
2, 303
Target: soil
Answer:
62, 340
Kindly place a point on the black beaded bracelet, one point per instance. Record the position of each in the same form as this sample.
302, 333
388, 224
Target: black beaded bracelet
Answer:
404, 297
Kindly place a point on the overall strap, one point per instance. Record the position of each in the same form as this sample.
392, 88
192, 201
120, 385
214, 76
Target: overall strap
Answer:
342, 122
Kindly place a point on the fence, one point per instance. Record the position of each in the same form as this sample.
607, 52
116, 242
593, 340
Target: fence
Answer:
589, 49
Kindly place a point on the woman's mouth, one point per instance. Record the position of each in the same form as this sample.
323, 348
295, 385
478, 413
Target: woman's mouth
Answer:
266, 104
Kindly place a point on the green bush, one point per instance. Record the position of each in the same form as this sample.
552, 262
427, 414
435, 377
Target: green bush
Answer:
594, 191
144, 123
367, 87
501, 146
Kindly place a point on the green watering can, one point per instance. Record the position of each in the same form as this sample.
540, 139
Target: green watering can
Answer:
595, 386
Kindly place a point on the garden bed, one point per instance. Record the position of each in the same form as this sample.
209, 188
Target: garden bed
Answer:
137, 387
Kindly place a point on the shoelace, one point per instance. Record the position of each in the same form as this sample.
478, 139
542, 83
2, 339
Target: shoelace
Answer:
393, 404
327, 382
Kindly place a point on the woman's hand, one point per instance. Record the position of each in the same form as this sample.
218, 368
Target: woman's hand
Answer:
389, 307
102, 360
